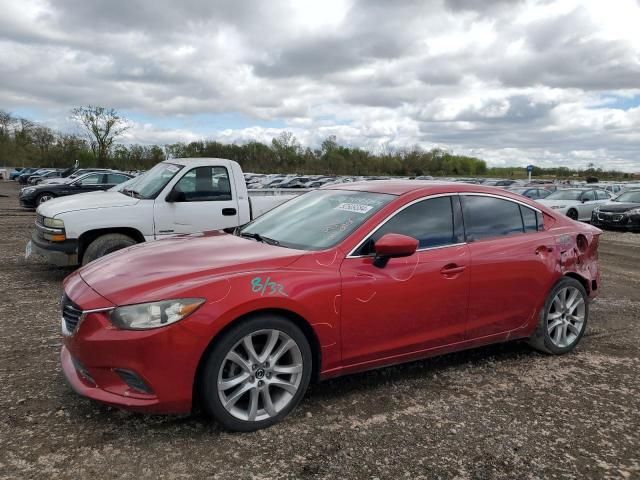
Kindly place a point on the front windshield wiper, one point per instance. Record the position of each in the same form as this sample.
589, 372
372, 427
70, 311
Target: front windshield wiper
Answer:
131, 193
260, 238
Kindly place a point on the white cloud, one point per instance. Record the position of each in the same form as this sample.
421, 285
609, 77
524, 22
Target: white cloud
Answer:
547, 82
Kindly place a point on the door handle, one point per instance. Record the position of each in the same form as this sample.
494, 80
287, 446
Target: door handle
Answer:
544, 249
452, 269
228, 211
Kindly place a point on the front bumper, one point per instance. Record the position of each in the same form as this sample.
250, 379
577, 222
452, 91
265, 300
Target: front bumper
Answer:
616, 221
62, 254
164, 360
28, 201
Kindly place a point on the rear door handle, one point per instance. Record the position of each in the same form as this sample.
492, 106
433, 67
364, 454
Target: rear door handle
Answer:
228, 211
452, 269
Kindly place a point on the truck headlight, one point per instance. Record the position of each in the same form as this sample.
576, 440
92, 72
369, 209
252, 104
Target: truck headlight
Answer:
53, 223
145, 316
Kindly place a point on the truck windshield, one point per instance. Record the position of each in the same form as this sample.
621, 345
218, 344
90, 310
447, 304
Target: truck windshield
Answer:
149, 184
316, 220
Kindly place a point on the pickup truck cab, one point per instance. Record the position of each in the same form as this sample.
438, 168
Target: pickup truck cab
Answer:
178, 196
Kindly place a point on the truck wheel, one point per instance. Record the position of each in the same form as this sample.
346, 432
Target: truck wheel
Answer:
257, 372
105, 245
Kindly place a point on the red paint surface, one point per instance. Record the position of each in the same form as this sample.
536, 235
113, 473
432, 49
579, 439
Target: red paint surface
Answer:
362, 316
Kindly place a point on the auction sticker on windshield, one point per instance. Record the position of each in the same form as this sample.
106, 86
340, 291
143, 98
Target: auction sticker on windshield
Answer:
354, 207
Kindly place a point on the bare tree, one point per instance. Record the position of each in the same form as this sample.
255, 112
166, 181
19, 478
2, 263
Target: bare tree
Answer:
43, 138
102, 126
6, 120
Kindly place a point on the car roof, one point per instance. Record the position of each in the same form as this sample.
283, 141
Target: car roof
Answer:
401, 187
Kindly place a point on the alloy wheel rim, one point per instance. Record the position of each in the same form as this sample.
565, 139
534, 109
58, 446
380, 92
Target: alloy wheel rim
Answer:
260, 375
565, 317
45, 198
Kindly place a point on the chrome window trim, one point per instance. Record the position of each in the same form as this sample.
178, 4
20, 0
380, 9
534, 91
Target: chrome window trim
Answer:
391, 215
500, 197
452, 194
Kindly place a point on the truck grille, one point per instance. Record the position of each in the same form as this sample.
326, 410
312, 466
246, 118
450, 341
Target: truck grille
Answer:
71, 314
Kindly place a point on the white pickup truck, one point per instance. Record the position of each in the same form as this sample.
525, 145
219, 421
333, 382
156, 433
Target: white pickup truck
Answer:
174, 197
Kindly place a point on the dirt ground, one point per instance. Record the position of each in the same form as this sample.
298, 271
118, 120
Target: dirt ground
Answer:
496, 412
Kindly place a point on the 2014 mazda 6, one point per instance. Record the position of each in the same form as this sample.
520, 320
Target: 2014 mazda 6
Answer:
337, 280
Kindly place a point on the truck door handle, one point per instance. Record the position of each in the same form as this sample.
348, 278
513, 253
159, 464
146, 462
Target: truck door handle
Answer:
452, 269
228, 211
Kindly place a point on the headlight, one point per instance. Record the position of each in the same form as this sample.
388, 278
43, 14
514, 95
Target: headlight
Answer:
28, 190
597, 209
635, 211
153, 315
53, 223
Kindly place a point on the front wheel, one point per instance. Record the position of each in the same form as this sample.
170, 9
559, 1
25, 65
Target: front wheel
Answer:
105, 245
44, 197
256, 374
563, 320
572, 214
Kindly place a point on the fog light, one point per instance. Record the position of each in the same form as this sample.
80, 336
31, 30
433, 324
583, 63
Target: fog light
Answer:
133, 380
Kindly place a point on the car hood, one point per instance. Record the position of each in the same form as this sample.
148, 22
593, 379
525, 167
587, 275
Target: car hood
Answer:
85, 201
165, 268
560, 203
618, 207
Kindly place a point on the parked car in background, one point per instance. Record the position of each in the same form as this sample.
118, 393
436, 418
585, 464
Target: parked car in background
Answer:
35, 179
23, 178
15, 173
31, 197
576, 203
534, 193
622, 212
73, 174
338, 280
177, 196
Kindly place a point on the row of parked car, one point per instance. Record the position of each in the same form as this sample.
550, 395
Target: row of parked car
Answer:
46, 184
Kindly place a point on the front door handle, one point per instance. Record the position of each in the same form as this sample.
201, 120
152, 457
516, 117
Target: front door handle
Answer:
452, 269
544, 249
227, 212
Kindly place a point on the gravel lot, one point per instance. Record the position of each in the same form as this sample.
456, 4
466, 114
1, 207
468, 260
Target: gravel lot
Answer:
496, 412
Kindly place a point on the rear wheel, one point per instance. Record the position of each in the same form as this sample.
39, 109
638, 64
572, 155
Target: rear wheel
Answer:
256, 374
105, 245
563, 320
572, 214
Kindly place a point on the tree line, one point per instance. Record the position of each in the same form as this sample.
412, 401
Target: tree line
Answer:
27, 143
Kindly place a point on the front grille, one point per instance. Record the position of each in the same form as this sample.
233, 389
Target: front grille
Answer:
71, 314
611, 217
39, 219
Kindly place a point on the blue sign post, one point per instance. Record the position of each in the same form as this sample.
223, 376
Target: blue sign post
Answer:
530, 170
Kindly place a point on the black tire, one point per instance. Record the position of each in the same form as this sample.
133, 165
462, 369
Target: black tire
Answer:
541, 339
105, 245
573, 214
213, 362
44, 197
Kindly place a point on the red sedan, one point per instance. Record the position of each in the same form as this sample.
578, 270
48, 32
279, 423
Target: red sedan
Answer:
338, 280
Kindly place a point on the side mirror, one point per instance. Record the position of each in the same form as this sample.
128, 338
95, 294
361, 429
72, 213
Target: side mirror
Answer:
176, 196
393, 245
583, 200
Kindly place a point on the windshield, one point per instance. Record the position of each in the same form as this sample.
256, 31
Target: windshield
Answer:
565, 195
318, 219
629, 197
151, 183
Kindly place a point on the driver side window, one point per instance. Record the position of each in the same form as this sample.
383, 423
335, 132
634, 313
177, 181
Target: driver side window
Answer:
91, 179
205, 184
429, 221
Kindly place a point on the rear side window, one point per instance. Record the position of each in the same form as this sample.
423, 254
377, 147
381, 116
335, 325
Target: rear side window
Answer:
429, 221
532, 219
489, 217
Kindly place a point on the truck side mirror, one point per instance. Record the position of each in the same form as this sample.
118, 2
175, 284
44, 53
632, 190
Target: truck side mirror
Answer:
176, 196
